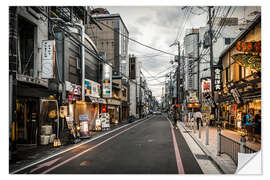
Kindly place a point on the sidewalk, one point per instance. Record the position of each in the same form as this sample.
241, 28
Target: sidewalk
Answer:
222, 160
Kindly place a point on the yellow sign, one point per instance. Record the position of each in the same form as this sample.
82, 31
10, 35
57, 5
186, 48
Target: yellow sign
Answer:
52, 114
193, 105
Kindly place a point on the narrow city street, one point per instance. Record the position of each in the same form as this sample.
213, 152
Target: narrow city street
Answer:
145, 147
134, 89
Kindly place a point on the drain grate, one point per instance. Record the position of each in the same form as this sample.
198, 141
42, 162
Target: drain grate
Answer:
201, 156
186, 131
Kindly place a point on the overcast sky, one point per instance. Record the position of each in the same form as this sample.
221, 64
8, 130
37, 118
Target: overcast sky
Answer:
158, 27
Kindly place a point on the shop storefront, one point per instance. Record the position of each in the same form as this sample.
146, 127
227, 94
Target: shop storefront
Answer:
84, 113
114, 110
27, 127
241, 79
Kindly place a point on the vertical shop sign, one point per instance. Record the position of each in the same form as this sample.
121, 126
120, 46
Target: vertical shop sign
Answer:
217, 82
193, 97
107, 81
190, 74
48, 59
206, 85
235, 93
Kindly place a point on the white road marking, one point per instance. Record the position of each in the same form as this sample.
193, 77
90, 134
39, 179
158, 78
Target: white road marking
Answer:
90, 140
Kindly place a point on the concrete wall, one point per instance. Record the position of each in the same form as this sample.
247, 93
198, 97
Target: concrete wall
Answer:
132, 96
41, 33
218, 46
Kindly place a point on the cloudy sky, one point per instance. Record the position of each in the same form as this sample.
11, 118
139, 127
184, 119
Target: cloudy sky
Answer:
159, 27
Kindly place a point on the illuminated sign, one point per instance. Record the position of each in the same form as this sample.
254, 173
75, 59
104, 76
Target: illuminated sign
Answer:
206, 85
107, 81
92, 88
249, 46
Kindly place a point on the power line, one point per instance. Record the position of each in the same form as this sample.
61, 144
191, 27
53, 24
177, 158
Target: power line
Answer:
180, 25
205, 51
186, 19
75, 40
150, 74
135, 40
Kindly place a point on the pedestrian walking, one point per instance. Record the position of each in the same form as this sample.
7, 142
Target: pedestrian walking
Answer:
257, 123
249, 126
198, 116
175, 116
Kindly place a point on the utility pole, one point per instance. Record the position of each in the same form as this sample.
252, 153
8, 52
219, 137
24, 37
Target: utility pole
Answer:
198, 68
177, 73
170, 88
211, 50
178, 76
140, 97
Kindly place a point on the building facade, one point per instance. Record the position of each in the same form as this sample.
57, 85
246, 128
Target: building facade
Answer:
241, 79
112, 38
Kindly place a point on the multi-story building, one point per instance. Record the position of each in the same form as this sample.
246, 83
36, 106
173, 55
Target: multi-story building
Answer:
132, 85
112, 38
241, 78
224, 31
28, 28
190, 56
46, 59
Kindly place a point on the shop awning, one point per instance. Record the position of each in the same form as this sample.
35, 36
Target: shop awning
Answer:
102, 101
91, 99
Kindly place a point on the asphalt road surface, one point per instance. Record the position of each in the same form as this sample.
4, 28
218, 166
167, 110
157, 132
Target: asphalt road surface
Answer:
151, 146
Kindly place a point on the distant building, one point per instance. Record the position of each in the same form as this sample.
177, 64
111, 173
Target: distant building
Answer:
112, 39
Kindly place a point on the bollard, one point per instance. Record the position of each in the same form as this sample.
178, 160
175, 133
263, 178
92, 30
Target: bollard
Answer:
207, 134
218, 140
200, 129
243, 143
194, 126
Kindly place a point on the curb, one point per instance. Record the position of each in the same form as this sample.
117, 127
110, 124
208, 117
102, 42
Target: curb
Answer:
224, 169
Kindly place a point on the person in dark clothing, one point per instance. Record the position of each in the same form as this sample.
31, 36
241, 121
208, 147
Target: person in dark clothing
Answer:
175, 117
257, 124
198, 116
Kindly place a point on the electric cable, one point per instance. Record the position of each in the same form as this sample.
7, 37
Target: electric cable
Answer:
135, 40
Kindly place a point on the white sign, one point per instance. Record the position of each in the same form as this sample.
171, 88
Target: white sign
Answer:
190, 74
98, 122
107, 81
48, 59
83, 117
68, 86
218, 83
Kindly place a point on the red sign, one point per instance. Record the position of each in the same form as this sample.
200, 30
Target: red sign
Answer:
249, 46
206, 85
103, 109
